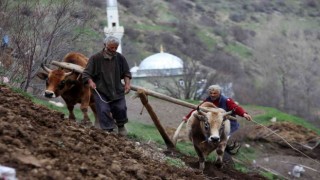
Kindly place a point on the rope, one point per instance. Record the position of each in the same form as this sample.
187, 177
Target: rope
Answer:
272, 132
101, 97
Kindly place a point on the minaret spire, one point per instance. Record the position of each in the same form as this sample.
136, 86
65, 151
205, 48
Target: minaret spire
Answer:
113, 28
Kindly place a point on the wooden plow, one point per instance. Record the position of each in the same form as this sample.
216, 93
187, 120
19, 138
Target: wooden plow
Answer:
142, 93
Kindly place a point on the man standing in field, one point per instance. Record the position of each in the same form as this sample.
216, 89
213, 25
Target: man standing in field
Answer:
104, 73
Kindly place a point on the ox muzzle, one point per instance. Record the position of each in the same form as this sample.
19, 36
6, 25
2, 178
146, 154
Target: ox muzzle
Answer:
49, 94
214, 139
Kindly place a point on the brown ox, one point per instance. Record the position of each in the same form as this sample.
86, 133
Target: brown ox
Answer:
68, 85
207, 131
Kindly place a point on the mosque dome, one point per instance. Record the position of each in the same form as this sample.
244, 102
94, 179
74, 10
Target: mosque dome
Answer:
161, 61
134, 69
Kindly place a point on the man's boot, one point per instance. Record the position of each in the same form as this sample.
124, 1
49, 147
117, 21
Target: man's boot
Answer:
122, 130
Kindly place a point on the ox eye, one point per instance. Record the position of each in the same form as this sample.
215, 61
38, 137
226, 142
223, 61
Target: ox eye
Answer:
61, 85
206, 126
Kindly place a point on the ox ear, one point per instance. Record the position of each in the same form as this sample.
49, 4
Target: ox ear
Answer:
42, 75
199, 117
227, 115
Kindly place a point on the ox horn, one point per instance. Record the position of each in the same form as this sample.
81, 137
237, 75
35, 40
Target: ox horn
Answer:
45, 68
200, 112
68, 73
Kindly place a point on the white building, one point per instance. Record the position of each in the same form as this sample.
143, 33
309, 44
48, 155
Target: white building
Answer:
157, 65
158, 70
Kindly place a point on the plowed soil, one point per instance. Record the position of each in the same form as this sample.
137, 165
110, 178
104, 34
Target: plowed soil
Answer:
41, 144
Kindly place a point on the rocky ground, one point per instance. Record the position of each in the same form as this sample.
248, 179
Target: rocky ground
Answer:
41, 144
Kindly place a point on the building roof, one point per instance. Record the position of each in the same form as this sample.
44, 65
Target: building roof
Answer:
161, 61
134, 69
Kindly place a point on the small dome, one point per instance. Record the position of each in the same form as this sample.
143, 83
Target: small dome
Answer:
161, 61
134, 69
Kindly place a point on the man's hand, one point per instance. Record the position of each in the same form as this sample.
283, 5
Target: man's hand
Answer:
126, 88
92, 84
247, 116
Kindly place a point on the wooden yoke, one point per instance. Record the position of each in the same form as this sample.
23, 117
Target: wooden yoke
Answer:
144, 101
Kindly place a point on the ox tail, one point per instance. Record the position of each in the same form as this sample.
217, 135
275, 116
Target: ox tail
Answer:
176, 133
233, 148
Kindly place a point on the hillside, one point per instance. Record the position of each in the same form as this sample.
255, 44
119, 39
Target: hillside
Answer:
253, 44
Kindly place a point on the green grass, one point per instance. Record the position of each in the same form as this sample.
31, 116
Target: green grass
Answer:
207, 39
186, 148
281, 117
196, 102
88, 31
246, 154
146, 27
269, 175
20, 91
241, 168
165, 14
238, 50
77, 111
144, 132
175, 162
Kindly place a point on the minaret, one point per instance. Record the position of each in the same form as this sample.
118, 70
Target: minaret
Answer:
113, 22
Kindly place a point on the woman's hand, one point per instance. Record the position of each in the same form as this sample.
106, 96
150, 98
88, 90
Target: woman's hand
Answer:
247, 116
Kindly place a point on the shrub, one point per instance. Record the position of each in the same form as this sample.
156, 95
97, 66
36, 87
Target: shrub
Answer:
95, 3
311, 3
26, 10
237, 17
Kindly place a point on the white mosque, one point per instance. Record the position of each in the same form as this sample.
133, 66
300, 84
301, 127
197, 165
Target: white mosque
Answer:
158, 65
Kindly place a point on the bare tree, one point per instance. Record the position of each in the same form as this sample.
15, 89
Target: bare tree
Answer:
306, 47
191, 76
187, 85
41, 33
288, 75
